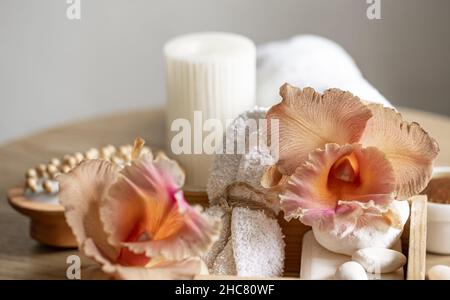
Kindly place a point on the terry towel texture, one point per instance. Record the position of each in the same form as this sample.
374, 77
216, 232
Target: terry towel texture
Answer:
251, 242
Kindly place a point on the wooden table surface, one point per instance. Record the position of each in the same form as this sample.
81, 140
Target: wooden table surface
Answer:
23, 258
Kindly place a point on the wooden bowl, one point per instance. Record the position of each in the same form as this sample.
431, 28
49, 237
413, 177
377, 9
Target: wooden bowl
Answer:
438, 235
47, 222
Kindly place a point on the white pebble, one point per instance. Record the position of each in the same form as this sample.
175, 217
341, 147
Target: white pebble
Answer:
439, 272
350, 271
379, 260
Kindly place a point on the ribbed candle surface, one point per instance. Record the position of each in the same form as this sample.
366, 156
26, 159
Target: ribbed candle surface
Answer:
211, 75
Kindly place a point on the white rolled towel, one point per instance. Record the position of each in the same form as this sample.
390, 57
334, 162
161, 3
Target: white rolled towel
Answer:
251, 242
309, 61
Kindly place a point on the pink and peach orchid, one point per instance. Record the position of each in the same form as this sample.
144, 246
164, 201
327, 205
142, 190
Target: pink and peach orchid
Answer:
134, 221
334, 149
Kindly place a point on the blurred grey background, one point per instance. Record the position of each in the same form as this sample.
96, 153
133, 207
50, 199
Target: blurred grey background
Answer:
53, 70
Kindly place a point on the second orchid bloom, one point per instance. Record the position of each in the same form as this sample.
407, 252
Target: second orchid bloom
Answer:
338, 154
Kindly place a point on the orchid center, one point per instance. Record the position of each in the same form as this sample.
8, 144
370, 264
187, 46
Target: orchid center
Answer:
346, 169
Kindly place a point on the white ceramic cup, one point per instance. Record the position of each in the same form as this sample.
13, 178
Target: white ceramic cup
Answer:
438, 232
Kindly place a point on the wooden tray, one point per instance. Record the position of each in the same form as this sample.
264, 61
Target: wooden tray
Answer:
413, 244
48, 226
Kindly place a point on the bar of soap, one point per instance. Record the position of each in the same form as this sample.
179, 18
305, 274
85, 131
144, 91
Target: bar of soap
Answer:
379, 260
318, 263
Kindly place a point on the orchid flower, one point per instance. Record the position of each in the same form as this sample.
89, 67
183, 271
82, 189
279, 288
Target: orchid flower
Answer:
134, 221
334, 148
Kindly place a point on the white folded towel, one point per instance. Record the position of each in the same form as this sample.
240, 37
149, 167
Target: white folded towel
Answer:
251, 245
309, 61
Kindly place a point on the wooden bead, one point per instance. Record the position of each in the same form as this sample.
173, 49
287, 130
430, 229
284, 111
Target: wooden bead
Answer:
106, 152
79, 157
55, 161
70, 160
52, 170
49, 187
31, 173
125, 149
92, 153
66, 158
41, 170
111, 149
66, 169
32, 184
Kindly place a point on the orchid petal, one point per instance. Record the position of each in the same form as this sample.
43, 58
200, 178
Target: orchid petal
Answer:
376, 177
177, 270
80, 193
185, 269
407, 146
352, 215
312, 190
195, 235
356, 225
90, 249
171, 168
309, 120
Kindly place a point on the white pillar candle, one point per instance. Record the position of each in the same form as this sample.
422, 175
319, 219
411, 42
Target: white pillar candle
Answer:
213, 73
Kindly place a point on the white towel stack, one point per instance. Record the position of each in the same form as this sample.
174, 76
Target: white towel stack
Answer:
309, 61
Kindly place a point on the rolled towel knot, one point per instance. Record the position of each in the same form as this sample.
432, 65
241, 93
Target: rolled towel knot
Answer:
251, 242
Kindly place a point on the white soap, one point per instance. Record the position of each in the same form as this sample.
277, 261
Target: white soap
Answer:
351, 270
379, 260
439, 272
363, 236
318, 263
